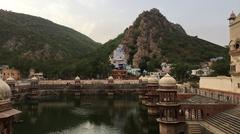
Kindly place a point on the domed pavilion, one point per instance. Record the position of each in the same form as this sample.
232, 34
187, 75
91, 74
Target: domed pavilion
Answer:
168, 105
7, 112
151, 97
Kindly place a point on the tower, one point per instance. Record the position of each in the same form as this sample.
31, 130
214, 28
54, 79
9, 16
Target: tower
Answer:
232, 18
77, 82
152, 96
234, 50
11, 82
170, 119
34, 83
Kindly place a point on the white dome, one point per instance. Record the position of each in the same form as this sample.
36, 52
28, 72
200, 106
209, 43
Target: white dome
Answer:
34, 78
77, 78
10, 79
110, 78
152, 80
167, 81
5, 91
144, 79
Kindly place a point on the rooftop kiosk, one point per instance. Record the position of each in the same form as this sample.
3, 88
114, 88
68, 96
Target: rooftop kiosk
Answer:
152, 96
168, 106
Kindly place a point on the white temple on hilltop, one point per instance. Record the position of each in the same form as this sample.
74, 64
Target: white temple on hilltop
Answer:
118, 59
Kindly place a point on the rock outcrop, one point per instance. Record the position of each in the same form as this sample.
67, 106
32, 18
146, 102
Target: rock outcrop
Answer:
142, 38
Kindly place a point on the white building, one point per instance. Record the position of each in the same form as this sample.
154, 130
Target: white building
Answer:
118, 58
202, 72
166, 68
133, 71
216, 59
158, 75
38, 75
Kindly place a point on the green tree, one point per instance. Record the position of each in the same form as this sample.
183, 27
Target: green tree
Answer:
221, 67
182, 72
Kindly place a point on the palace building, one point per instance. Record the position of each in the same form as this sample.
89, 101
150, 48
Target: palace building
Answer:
222, 87
177, 112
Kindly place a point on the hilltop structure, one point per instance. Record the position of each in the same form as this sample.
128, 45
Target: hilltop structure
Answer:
119, 61
226, 88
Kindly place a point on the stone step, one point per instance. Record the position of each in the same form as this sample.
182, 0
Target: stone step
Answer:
227, 122
222, 125
230, 121
194, 129
223, 129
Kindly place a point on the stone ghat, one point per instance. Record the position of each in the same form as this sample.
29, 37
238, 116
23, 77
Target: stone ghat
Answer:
52, 82
84, 84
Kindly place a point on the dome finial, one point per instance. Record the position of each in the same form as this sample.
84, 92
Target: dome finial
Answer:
110, 78
34, 78
77, 78
232, 16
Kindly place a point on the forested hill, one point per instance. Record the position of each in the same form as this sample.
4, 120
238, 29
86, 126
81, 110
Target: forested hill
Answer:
28, 41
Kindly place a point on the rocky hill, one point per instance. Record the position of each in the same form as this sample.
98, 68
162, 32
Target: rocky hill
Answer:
34, 38
148, 42
154, 39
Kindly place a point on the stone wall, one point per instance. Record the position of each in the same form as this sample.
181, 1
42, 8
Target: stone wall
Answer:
220, 83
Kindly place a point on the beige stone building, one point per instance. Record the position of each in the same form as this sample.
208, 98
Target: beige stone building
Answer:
222, 87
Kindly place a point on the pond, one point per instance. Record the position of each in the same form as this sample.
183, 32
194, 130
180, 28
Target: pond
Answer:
85, 115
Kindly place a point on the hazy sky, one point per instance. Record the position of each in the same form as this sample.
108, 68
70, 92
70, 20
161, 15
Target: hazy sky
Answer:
105, 19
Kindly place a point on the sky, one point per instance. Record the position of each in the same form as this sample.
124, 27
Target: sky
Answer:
103, 20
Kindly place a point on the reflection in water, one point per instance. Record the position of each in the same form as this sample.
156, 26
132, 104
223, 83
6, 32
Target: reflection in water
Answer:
85, 115
88, 128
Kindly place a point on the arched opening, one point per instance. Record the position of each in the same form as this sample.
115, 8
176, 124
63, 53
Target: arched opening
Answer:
199, 114
193, 114
237, 46
187, 114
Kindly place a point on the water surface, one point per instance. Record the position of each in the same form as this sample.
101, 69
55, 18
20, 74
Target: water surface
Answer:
85, 115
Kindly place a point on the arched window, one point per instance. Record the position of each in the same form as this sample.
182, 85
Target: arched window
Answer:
237, 46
